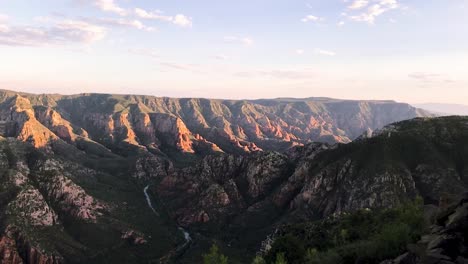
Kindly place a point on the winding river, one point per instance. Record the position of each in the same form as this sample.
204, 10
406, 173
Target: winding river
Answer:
148, 200
187, 237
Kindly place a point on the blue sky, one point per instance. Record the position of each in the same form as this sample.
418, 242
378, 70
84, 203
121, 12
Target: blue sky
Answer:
412, 51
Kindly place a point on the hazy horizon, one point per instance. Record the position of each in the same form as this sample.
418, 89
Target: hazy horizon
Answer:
357, 50
221, 98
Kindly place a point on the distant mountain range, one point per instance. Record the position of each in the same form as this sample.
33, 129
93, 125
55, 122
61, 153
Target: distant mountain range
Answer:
444, 109
169, 126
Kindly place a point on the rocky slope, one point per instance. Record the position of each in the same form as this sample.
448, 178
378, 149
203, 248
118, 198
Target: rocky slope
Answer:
55, 208
169, 126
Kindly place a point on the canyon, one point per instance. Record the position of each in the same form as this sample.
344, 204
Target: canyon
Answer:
135, 179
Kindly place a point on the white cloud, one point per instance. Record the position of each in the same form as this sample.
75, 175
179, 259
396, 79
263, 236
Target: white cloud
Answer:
300, 51
156, 15
61, 33
311, 18
324, 52
125, 23
179, 19
389, 3
110, 6
182, 20
372, 13
340, 24
375, 10
78, 31
243, 40
358, 4
145, 14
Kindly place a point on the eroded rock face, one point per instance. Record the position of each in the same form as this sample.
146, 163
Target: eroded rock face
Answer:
31, 208
8, 249
68, 196
18, 112
222, 186
175, 129
338, 188
54, 121
16, 249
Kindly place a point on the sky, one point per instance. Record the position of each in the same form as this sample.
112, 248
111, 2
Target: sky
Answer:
412, 51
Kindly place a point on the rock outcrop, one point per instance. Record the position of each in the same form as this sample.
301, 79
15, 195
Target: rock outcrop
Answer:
16, 249
447, 242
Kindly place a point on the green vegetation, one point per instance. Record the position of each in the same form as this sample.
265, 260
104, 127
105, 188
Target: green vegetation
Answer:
362, 237
365, 236
214, 257
290, 247
258, 260
280, 259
